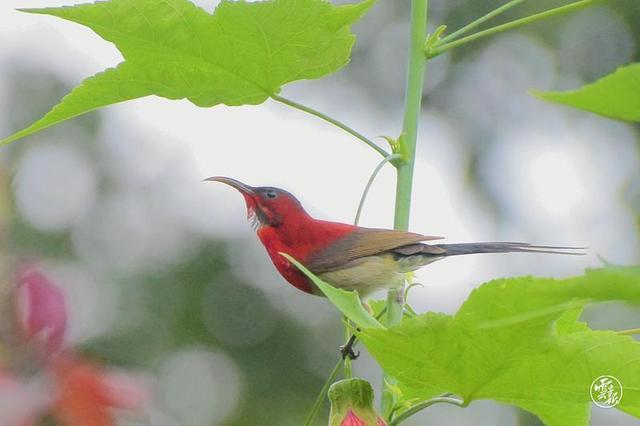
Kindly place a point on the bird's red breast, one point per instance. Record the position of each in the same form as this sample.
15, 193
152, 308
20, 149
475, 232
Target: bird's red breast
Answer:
300, 239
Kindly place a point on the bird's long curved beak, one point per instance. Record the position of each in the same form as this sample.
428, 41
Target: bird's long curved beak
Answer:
243, 188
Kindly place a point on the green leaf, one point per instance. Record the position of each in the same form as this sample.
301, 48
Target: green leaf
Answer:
616, 95
518, 341
242, 54
347, 302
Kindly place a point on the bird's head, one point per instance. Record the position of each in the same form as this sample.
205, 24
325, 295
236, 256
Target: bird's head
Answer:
266, 205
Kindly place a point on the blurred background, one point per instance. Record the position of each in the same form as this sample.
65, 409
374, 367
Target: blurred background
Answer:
164, 277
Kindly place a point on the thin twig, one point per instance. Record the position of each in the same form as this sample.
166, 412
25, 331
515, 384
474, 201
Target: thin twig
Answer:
441, 48
331, 120
323, 393
422, 405
454, 35
379, 167
629, 332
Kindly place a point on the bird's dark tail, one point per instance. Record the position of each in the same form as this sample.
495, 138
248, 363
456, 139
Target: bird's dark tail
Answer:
505, 247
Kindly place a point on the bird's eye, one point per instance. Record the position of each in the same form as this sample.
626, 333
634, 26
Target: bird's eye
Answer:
271, 194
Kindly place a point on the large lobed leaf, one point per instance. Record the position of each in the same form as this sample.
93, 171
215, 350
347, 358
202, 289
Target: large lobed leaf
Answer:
616, 95
518, 341
242, 54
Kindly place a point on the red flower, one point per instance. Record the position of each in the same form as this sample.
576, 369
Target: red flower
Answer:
74, 392
87, 395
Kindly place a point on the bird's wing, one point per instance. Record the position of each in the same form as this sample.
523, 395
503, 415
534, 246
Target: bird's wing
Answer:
360, 243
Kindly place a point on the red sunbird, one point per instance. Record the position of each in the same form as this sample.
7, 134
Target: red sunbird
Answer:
348, 256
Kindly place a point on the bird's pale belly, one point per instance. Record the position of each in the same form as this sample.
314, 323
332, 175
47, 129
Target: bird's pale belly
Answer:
367, 275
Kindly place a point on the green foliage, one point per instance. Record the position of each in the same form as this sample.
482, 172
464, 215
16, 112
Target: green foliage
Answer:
616, 95
347, 302
518, 341
242, 54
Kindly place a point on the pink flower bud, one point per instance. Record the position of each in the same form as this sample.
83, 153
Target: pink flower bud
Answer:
41, 310
352, 404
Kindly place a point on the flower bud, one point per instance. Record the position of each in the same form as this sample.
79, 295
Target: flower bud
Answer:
41, 310
352, 404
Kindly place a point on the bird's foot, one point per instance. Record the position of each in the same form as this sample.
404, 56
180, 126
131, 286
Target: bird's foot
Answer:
348, 351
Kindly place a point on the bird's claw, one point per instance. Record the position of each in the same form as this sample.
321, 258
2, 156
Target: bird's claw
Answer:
347, 351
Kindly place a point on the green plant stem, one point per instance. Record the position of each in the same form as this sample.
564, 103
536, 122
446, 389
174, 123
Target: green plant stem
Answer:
440, 48
630, 332
348, 373
323, 393
343, 361
331, 120
412, 108
387, 159
454, 35
421, 406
